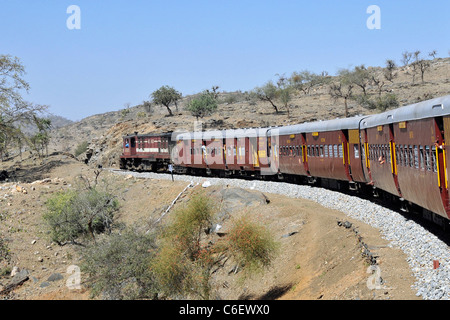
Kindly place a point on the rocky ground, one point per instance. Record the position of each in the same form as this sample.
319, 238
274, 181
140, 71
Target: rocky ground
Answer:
321, 257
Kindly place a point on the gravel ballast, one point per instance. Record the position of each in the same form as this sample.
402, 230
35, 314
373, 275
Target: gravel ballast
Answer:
420, 246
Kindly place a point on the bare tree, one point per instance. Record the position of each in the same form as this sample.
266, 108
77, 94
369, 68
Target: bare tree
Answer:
423, 65
433, 54
406, 58
342, 88
360, 77
420, 65
390, 73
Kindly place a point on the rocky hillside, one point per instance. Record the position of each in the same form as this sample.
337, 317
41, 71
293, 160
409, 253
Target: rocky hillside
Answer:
104, 132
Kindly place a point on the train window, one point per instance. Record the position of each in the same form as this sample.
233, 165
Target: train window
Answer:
330, 151
341, 151
416, 157
356, 150
397, 154
433, 158
427, 158
308, 151
411, 156
422, 158
400, 155
325, 151
405, 156
321, 151
388, 153
300, 151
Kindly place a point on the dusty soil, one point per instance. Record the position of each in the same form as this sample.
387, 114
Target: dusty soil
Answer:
318, 259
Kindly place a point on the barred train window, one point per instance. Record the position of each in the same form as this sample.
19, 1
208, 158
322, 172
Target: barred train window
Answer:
341, 151
330, 150
422, 158
427, 158
416, 157
335, 150
396, 154
400, 155
388, 153
433, 158
321, 151
405, 156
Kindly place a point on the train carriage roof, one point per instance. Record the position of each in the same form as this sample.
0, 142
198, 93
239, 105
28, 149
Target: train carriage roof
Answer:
163, 134
228, 133
321, 126
421, 110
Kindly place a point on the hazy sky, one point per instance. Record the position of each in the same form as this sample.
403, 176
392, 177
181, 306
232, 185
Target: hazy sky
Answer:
124, 50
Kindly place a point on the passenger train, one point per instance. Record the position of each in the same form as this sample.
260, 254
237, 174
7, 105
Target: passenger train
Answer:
399, 154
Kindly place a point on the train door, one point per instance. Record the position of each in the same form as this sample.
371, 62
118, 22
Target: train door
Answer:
305, 153
132, 145
441, 127
367, 156
393, 158
346, 155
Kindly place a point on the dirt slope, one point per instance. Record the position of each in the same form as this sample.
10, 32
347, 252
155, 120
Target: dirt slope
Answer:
319, 259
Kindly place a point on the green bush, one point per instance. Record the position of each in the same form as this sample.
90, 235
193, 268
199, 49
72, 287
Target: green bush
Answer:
251, 244
177, 264
381, 103
117, 266
202, 106
188, 252
81, 148
73, 214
